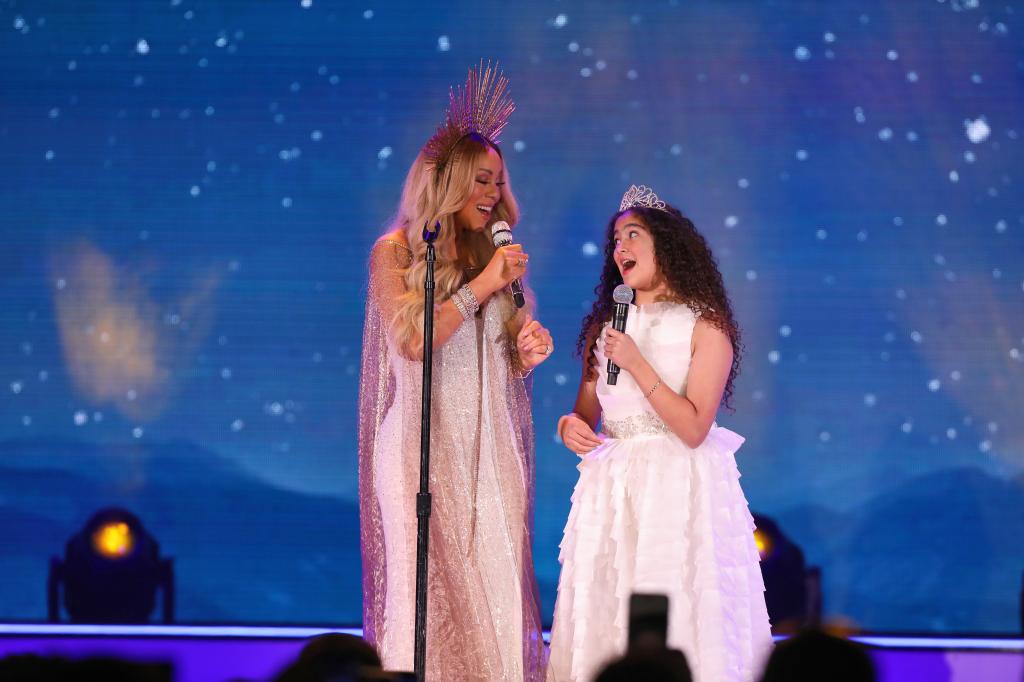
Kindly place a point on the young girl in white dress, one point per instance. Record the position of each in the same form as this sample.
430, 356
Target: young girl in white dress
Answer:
658, 507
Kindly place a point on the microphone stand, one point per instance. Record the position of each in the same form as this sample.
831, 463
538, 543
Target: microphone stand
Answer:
423, 499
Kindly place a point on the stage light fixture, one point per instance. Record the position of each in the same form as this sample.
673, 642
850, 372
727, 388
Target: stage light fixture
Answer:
113, 540
111, 572
792, 589
764, 543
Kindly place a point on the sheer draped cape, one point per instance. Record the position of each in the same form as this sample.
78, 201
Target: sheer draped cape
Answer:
482, 590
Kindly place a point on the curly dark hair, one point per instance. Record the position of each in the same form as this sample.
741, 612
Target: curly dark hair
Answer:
683, 257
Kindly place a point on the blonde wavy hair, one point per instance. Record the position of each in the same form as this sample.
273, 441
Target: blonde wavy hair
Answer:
436, 193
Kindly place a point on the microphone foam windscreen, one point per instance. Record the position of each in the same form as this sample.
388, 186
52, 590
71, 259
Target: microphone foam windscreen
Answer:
622, 294
501, 233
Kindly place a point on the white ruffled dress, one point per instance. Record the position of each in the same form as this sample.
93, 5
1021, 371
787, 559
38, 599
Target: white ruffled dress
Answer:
650, 514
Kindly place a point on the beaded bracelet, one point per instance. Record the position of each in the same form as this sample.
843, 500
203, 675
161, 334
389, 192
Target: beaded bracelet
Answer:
653, 389
460, 306
465, 301
469, 303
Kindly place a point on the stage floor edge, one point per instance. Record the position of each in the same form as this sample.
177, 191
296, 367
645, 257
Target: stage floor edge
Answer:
221, 653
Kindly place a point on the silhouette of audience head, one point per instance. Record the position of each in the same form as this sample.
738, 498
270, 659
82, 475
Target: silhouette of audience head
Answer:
334, 657
814, 655
648, 663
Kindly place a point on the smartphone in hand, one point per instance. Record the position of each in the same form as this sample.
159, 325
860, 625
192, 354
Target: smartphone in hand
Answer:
648, 621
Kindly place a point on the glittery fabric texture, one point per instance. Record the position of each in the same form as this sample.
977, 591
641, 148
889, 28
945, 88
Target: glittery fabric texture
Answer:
644, 424
483, 616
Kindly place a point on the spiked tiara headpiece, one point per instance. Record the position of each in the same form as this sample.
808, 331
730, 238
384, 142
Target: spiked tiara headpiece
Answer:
642, 196
483, 107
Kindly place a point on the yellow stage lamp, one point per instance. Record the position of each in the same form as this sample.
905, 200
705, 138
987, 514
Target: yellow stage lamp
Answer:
764, 543
113, 540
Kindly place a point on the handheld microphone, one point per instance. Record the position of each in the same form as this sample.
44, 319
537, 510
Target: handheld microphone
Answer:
501, 235
622, 296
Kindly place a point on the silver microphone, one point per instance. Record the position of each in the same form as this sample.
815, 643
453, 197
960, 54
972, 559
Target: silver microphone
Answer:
501, 235
623, 296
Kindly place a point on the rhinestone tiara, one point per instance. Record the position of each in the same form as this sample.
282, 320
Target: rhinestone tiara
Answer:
641, 196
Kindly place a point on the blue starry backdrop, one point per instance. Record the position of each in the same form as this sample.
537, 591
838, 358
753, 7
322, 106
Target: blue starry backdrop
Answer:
189, 189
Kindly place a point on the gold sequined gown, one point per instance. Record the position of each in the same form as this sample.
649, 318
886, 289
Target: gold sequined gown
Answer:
651, 514
483, 620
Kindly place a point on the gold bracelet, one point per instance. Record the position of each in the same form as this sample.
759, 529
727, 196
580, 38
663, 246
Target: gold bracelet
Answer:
653, 388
